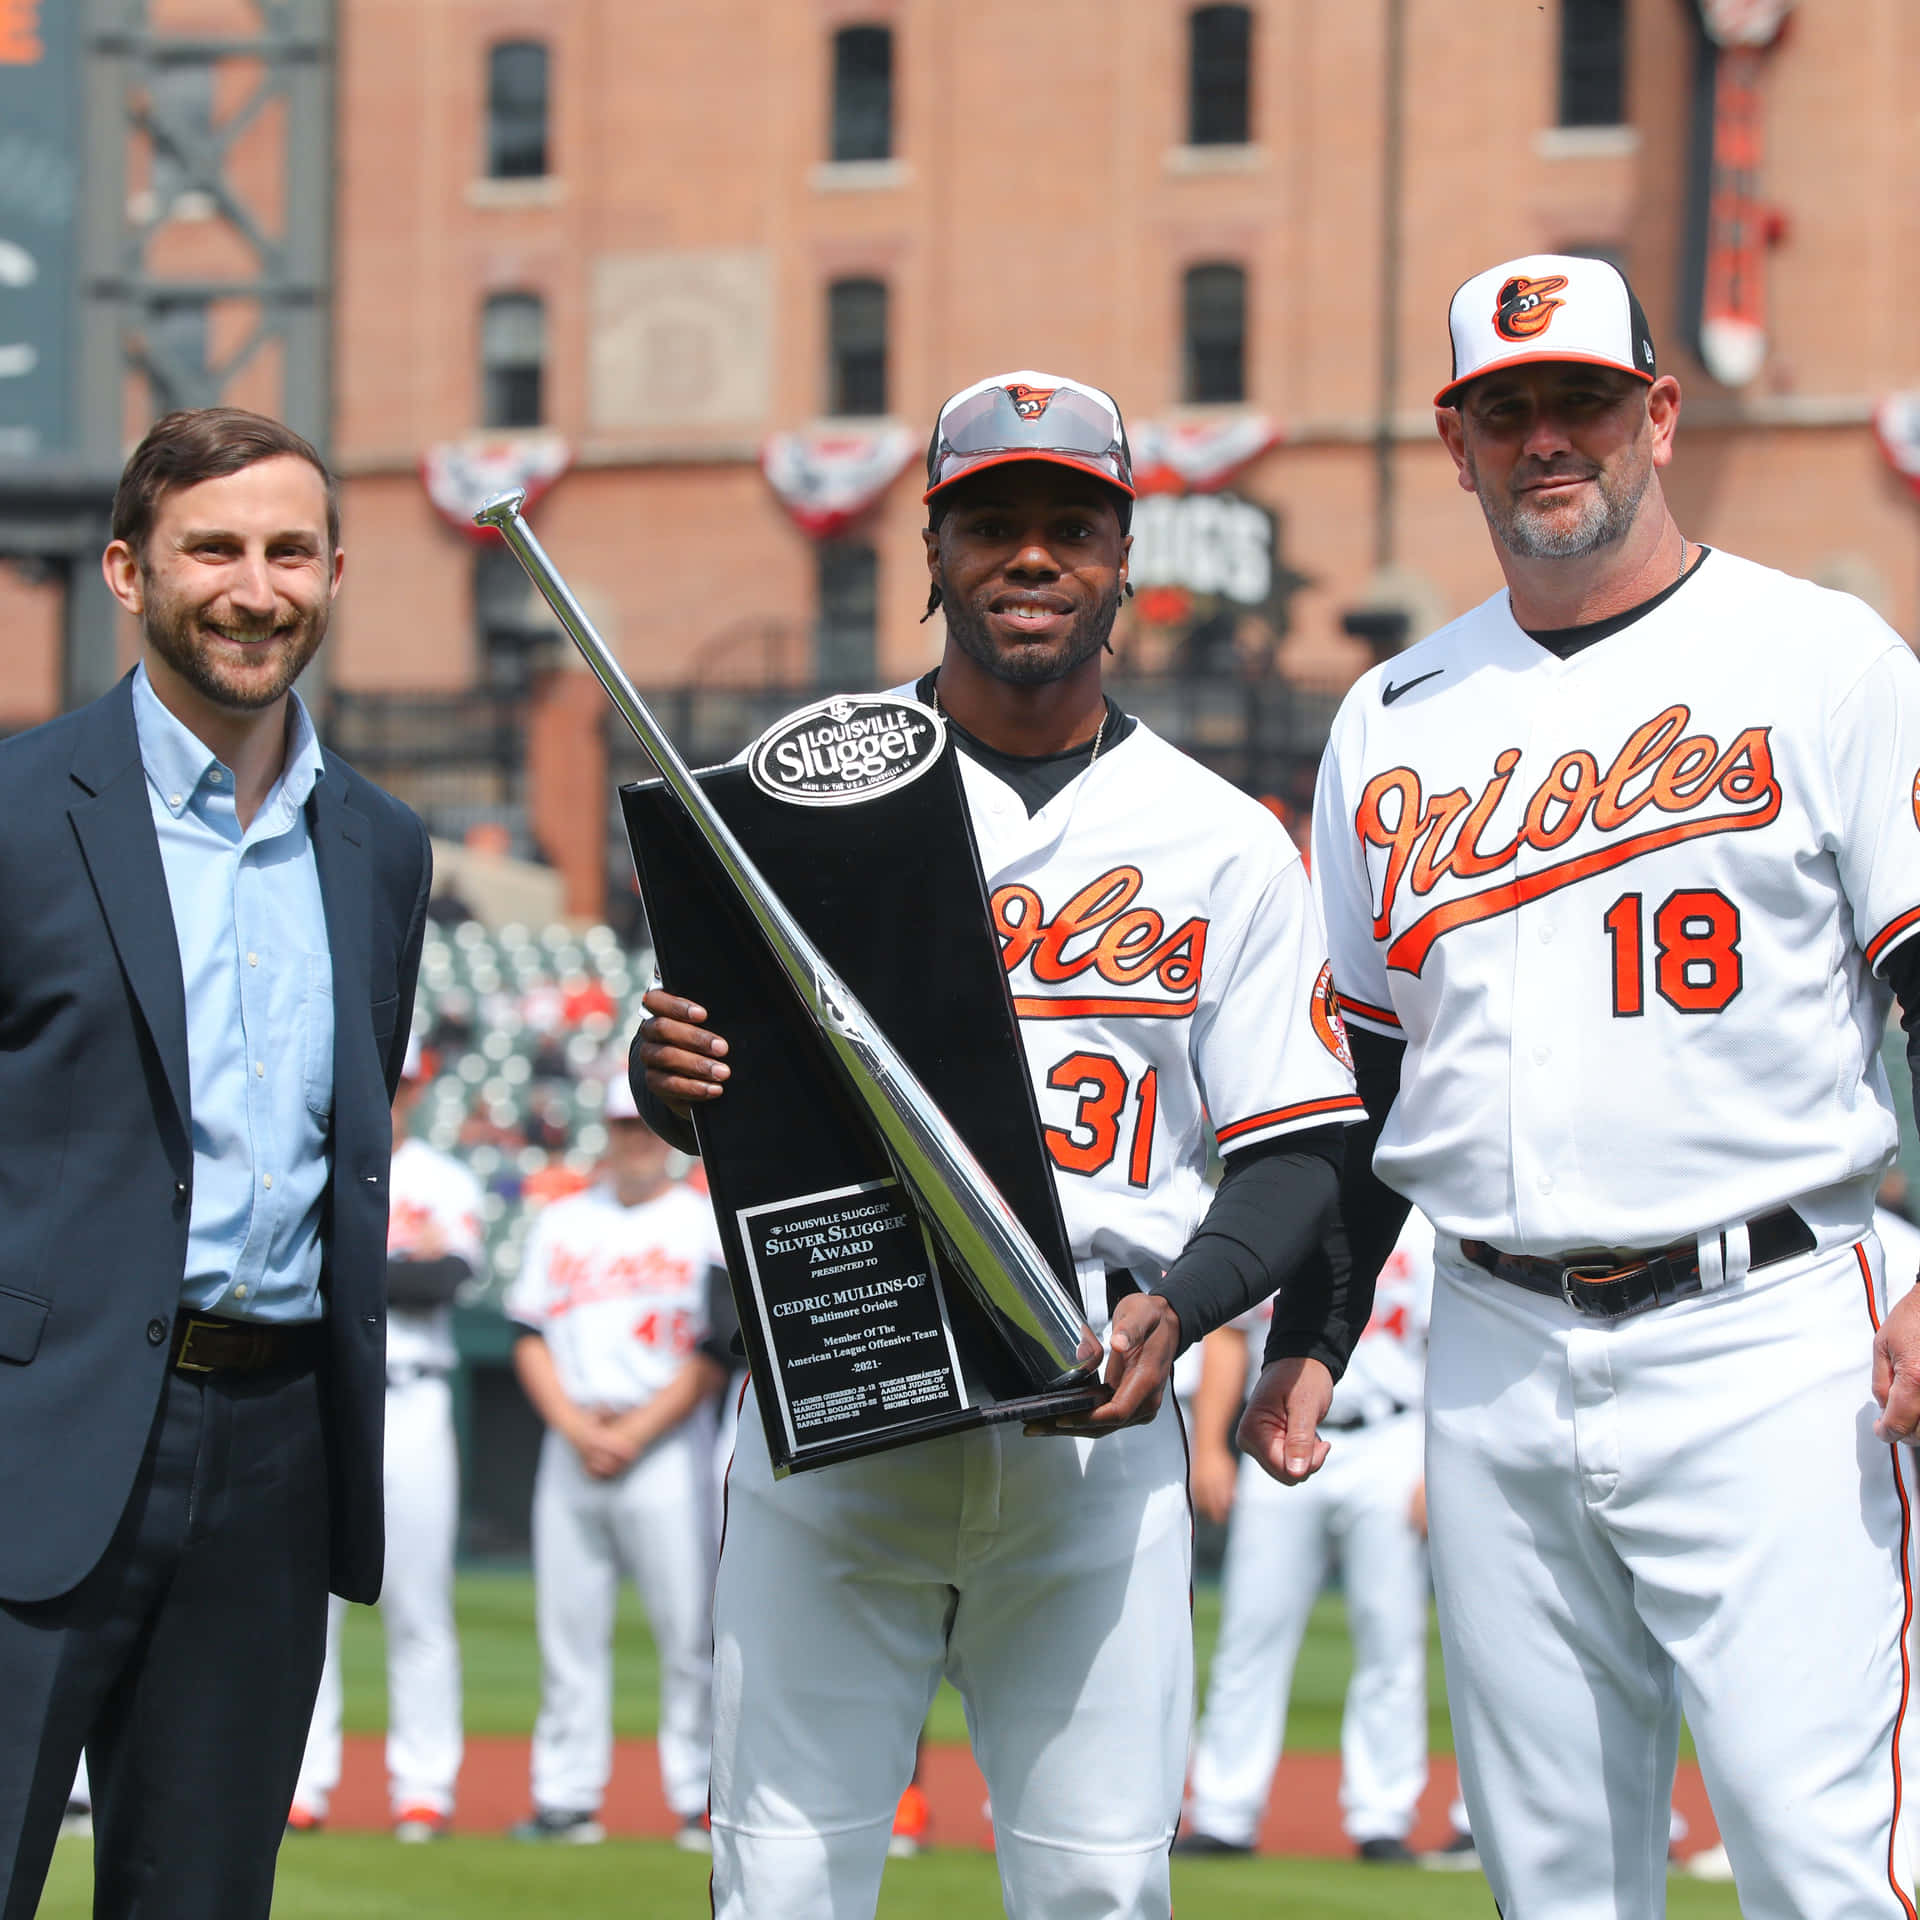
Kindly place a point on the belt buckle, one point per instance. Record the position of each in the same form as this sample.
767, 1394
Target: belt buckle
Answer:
1584, 1270
182, 1363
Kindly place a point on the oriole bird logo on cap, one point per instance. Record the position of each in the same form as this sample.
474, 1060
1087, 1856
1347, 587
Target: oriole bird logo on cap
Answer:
1031, 402
1526, 306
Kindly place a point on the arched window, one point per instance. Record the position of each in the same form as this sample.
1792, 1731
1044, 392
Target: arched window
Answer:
863, 93
1593, 63
844, 635
857, 346
517, 110
1215, 330
1219, 70
513, 357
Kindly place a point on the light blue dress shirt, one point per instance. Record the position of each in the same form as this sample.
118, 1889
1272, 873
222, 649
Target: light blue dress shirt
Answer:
258, 973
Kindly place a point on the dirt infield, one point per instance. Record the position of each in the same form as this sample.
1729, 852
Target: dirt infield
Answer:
1303, 1815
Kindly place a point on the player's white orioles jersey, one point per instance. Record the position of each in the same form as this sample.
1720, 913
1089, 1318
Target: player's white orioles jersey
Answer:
1617, 905
619, 1293
1167, 965
433, 1199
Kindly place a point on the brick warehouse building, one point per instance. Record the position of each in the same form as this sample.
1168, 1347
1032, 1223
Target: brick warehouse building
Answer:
663, 230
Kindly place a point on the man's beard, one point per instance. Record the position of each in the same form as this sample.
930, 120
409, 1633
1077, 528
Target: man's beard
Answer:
1603, 521
172, 629
1032, 664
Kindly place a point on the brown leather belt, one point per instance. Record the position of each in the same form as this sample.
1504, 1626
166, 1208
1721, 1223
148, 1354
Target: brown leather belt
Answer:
203, 1343
1607, 1287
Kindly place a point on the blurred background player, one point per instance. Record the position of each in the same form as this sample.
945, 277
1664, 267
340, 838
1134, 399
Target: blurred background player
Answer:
611, 1306
1361, 1511
433, 1246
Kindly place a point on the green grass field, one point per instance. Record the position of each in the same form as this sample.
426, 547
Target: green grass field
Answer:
502, 1668
367, 1877
344, 1876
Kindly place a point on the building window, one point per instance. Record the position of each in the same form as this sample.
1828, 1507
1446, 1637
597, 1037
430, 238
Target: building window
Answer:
1216, 335
1593, 63
857, 347
844, 650
513, 354
1219, 67
863, 93
517, 111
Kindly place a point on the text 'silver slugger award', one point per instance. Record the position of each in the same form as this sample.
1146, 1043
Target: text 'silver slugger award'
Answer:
891, 1227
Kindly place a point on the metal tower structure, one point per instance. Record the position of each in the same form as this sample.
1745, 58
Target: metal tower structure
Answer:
165, 240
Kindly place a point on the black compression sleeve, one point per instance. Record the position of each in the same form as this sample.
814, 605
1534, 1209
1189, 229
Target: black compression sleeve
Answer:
425, 1283
1903, 976
1260, 1235
1371, 1216
675, 1131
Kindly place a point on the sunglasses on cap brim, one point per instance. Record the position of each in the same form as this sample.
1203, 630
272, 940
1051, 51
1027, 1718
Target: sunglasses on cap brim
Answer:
1073, 429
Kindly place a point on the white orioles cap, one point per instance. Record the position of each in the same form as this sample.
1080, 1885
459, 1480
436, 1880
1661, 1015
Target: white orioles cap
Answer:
1547, 306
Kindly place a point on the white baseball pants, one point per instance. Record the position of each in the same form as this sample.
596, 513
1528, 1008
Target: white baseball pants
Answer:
655, 1523
1283, 1542
1047, 1578
1686, 1509
422, 1475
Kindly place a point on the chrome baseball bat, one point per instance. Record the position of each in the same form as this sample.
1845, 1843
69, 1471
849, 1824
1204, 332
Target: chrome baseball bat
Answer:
990, 1247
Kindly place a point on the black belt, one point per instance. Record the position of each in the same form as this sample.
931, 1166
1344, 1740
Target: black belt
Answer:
1353, 1421
1607, 1287
405, 1373
205, 1343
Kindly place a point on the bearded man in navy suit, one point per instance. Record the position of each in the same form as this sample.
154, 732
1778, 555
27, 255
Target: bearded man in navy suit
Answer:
209, 933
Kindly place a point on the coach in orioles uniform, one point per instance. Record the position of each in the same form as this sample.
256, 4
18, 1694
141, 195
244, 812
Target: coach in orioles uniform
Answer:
1166, 963
1621, 871
611, 1309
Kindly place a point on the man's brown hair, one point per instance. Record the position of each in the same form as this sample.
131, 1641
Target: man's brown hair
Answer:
205, 443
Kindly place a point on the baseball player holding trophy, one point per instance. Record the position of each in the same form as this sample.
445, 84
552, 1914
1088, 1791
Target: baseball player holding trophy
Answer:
900, 1506
1621, 873
433, 1245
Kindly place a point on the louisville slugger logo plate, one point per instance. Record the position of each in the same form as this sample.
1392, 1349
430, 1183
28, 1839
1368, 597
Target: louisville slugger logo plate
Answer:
838, 752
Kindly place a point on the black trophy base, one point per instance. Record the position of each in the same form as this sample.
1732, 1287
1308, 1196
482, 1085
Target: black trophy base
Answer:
861, 1334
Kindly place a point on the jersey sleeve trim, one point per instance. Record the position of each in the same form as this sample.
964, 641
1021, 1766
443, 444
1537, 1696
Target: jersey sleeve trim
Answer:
1367, 1013
1289, 1116
1891, 935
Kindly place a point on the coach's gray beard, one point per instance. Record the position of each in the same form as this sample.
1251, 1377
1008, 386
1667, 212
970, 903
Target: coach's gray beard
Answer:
1031, 665
1605, 519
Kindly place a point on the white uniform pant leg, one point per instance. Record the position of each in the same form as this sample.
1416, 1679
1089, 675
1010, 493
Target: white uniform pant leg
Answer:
663, 1520
831, 1606
1565, 1715
416, 1603
1767, 1532
1073, 1646
1275, 1565
1383, 1729
320, 1764
575, 1580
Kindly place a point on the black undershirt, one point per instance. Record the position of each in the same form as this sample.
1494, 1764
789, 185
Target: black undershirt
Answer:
1567, 641
1035, 777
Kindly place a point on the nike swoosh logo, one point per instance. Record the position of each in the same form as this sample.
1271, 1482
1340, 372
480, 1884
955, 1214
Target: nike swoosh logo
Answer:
1389, 694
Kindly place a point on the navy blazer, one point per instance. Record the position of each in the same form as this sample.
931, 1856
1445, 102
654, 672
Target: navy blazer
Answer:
96, 1162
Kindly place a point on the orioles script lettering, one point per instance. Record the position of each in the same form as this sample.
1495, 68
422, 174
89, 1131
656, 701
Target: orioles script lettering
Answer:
1100, 931
1662, 769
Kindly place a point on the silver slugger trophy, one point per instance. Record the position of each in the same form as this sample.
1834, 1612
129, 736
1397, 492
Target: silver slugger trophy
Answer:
953, 1213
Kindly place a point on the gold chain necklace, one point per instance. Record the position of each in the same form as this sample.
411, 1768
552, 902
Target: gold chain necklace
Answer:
1099, 732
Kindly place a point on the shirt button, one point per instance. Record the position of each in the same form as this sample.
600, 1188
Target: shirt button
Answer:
240, 1292
1541, 1055
215, 776
260, 1069
1545, 1183
269, 1179
156, 1332
253, 959
173, 800
1546, 932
